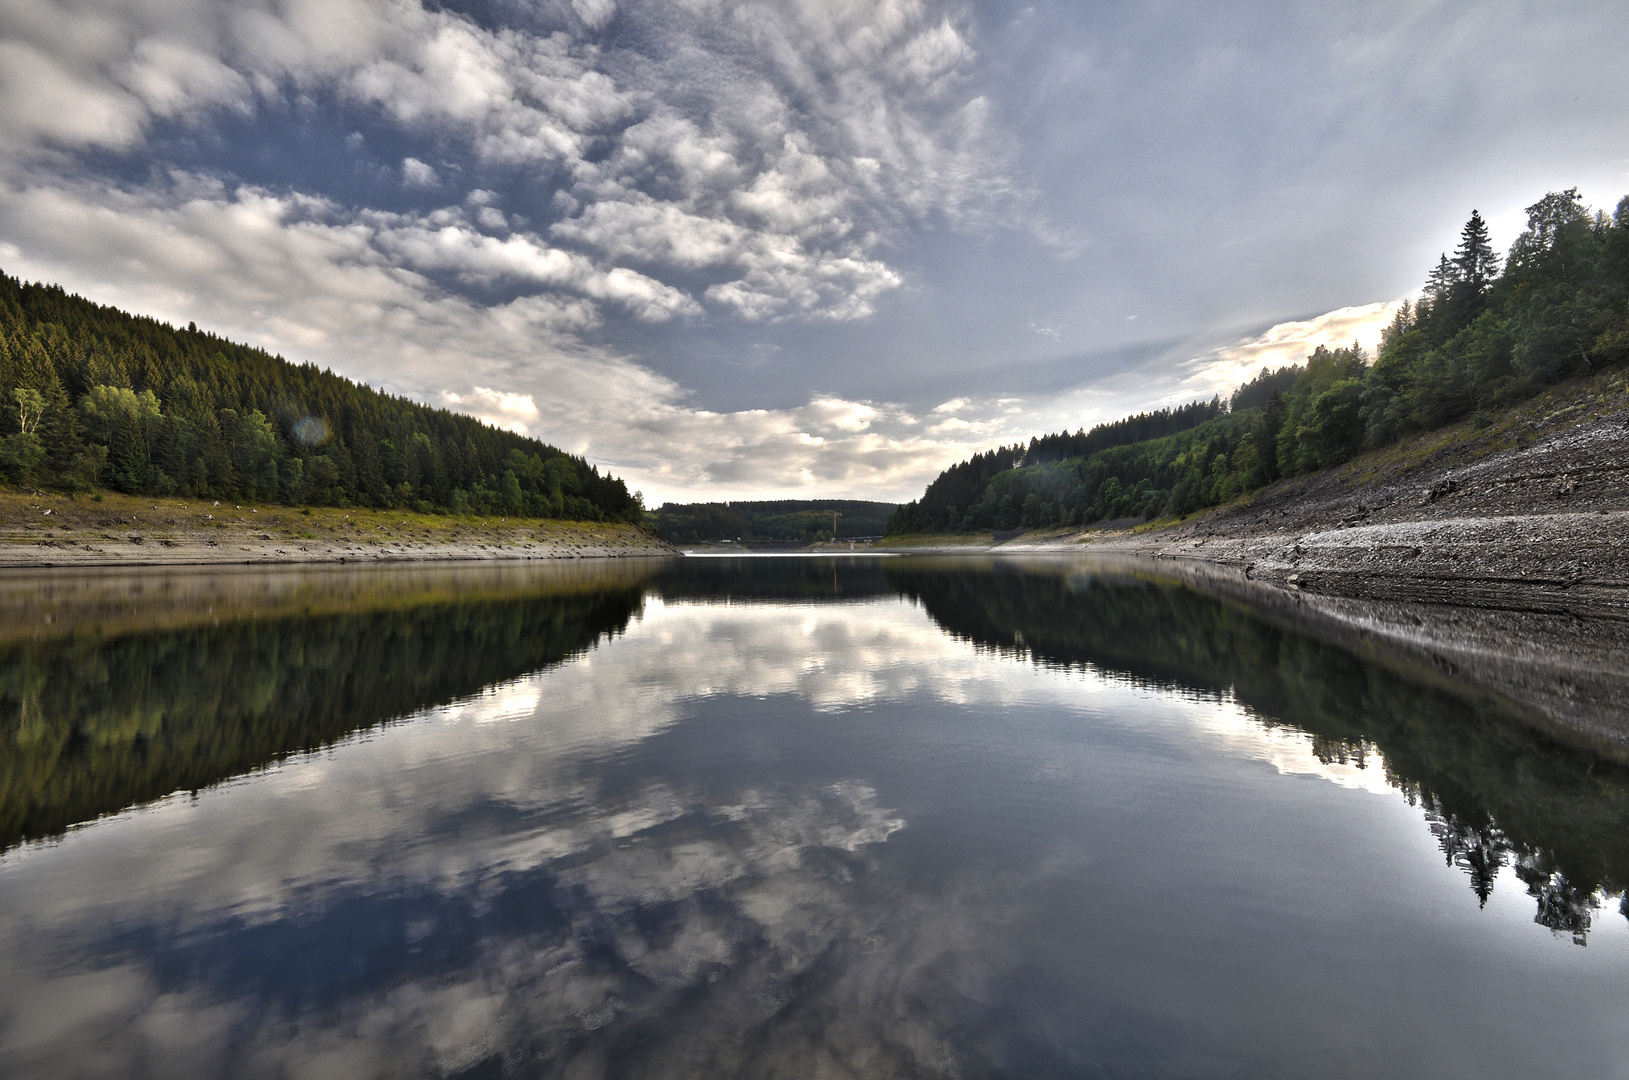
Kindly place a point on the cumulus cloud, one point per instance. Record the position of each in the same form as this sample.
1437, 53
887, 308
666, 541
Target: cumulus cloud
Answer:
416, 173
594, 13
1286, 343
75, 77
308, 265
446, 242
511, 411
741, 161
806, 148
360, 292
828, 447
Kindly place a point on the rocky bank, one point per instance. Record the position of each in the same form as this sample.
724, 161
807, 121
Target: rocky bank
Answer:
1497, 554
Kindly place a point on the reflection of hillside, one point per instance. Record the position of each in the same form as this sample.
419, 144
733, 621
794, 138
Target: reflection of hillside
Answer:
1498, 791
210, 675
104, 602
759, 579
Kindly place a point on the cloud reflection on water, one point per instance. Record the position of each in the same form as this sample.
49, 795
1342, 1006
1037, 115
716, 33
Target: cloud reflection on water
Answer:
515, 879
615, 907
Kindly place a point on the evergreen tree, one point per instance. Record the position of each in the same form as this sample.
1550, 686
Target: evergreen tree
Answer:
1481, 337
1437, 304
117, 399
1474, 260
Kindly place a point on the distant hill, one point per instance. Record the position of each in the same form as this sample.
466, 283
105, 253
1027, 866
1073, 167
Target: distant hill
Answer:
90, 395
802, 521
1481, 338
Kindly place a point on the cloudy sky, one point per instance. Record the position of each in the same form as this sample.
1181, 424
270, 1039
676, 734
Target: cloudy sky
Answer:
735, 248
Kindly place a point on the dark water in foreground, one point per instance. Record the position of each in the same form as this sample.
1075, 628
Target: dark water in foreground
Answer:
778, 817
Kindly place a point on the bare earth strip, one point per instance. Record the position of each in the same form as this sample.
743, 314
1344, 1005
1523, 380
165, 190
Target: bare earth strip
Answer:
44, 529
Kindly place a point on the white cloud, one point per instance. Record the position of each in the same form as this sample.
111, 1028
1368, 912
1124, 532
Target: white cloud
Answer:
754, 157
1222, 370
640, 226
358, 293
416, 173
72, 76
513, 412
789, 281
794, 146
835, 413
932, 54
594, 13
39, 101
444, 241
828, 447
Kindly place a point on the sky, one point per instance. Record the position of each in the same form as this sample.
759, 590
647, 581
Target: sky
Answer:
741, 249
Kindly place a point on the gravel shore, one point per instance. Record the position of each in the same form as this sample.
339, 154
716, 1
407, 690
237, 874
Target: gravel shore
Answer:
1540, 526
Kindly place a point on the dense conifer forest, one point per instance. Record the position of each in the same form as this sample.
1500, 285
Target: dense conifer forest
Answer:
90, 395
798, 521
1481, 338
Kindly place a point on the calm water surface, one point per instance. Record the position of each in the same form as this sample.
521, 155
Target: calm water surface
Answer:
776, 817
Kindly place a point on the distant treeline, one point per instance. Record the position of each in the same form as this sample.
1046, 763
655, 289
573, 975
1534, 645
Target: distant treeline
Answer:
786, 521
1480, 339
90, 395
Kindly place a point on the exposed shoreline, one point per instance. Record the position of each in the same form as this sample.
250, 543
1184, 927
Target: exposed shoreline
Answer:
41, 530
1531, 515
1499, 555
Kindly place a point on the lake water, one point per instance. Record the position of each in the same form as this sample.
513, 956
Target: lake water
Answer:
776, 818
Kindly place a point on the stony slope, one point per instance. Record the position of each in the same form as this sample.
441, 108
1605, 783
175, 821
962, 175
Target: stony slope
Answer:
1529, 514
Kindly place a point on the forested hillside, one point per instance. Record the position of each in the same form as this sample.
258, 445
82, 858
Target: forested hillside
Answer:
90, 395
785, 521
1481, 338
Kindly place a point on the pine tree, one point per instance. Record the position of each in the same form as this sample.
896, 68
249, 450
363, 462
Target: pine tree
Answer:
1474, 260
1435, 310
215, 418
1401, 323
1439, 284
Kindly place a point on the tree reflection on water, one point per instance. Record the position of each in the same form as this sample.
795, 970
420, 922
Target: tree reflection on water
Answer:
1497, 789
101, 709
117, 690
773, 817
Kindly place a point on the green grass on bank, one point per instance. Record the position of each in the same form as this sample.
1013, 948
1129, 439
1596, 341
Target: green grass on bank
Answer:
23, 517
